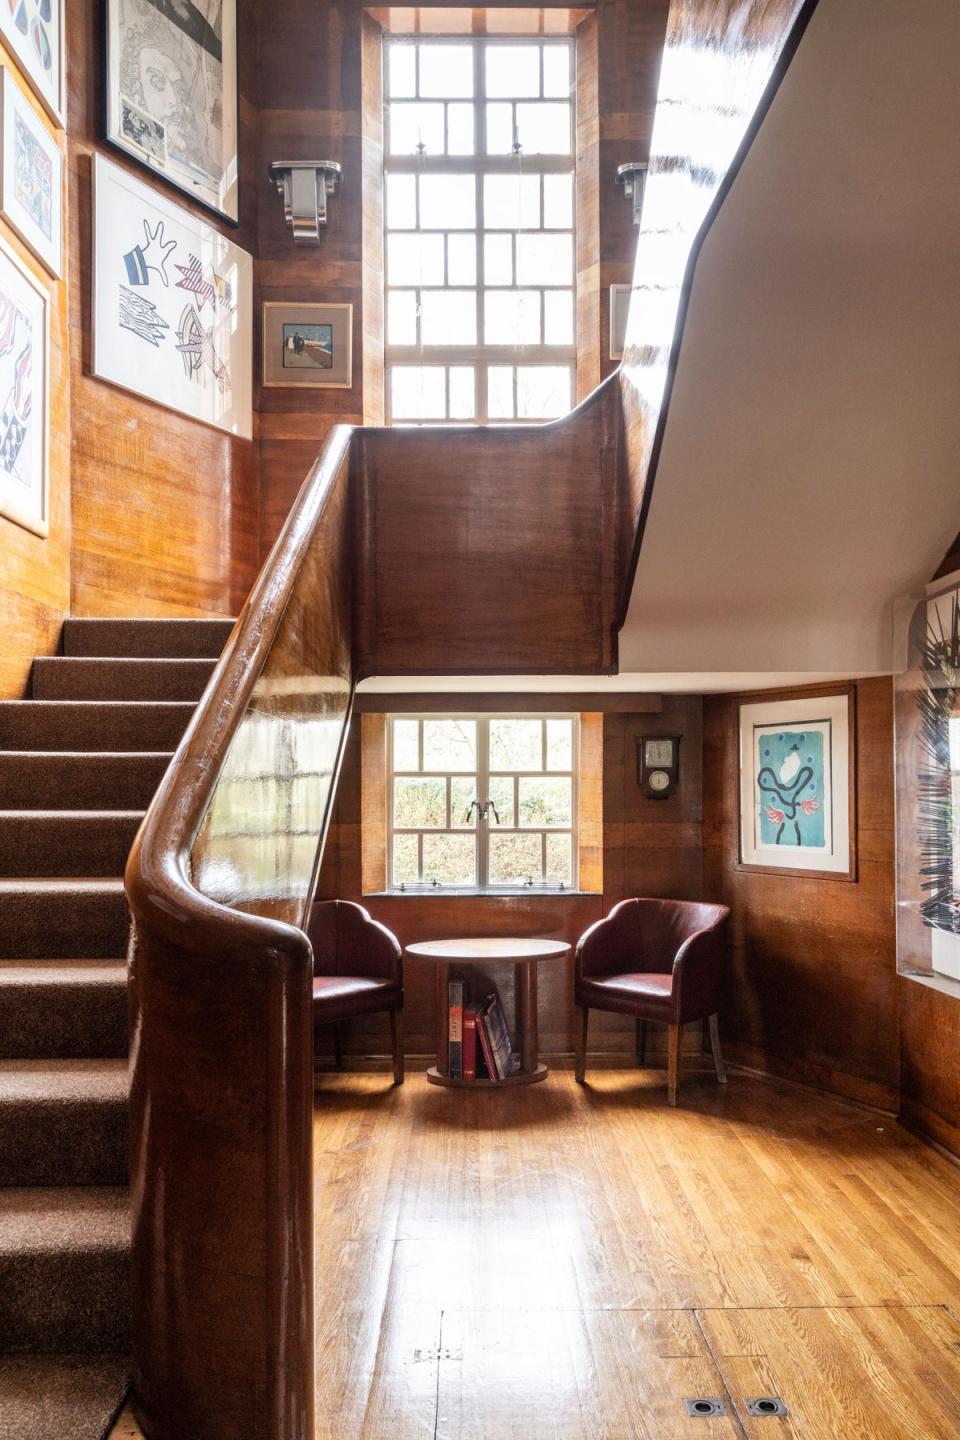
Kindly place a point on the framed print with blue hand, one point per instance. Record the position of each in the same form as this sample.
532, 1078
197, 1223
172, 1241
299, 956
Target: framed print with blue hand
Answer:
797, 784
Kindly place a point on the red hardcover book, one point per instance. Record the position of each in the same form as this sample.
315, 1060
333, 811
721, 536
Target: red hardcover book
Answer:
485, 1047
470, 1042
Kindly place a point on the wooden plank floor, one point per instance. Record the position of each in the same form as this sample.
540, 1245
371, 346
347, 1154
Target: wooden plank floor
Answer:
561, 1263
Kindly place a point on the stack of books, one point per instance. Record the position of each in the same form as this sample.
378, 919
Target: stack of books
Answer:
480, 1047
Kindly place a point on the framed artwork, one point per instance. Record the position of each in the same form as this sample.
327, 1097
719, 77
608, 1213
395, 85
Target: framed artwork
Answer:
171, 93
24, 396
172, 304
309, 345
619, 310
31, 184
797, 785
33, 31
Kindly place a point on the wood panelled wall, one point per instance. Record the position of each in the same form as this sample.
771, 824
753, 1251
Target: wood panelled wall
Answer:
813, 989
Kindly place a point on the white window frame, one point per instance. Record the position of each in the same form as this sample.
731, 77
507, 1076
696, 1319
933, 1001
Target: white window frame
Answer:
480, 164
482, 828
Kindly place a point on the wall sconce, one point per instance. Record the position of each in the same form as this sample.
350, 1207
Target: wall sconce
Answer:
633, 178
304, 186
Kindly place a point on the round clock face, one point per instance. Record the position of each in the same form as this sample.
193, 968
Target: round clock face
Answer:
659, 780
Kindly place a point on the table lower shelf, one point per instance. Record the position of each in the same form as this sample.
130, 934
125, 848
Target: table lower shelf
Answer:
520, 1077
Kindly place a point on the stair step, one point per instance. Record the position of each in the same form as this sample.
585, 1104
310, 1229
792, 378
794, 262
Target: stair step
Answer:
64, 1270
60, 1397
66, 842
70, 1009
145, 639
79, 780
58, 677
63, 1122
79, 918
110, 725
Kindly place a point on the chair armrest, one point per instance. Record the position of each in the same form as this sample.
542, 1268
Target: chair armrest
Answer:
380, 957
698, 971
601, 948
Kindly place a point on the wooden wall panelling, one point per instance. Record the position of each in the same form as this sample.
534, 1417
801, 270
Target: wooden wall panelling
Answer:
813, 990
35, 569
164, 508
930, 1063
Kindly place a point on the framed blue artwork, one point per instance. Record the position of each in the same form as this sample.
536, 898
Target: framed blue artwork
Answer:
797, 793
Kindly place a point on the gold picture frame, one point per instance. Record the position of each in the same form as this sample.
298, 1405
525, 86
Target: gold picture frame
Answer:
307, 346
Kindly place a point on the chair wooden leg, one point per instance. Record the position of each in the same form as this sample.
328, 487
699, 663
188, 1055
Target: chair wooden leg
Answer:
396, 1035
337, 1046
641, 1043
673, 1062
718, 1064
583, 1018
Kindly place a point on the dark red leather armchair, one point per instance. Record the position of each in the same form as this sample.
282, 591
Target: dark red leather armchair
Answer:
655, 960
357, 970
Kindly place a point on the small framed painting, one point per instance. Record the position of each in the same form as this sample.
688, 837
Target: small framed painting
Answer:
797, 785
24, 403
619, 310
308, 345
171, 93
31, 184
33, 32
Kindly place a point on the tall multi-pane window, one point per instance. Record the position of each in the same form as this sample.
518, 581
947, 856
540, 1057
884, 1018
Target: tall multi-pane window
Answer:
479, 163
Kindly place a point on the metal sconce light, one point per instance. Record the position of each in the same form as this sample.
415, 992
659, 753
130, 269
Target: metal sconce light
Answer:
304, 186
633, 178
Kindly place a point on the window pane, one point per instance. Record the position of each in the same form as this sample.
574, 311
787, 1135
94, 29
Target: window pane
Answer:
558, 317
413, 123
512, 317
556, 70
406, 744
460, 130
500, 128
448, 317
446, 70
450, 859
401, 202
500, 392
511, 202
543, 391
463, 392
546, 802
402, 317
558, 202
415, 259
513, 70
405, 848
516, 744
559, 744
514, 859
498, 259
544, 129
501, 793
418, 392
461, 260
544, 259
448, 202
403, 71
419, 802
449, 744
559, 860
463, 792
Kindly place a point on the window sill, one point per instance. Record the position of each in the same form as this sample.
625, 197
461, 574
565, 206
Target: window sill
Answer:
451, 893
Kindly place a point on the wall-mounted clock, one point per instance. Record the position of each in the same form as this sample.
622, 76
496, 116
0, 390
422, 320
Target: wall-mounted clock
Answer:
658, 765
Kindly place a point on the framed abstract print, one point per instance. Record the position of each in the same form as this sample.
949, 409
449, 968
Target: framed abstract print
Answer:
797, 793
171, 101
31, 180
24, 395
33, 31
172, 304
308, 345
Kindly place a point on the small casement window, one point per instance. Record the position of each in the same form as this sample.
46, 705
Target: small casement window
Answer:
484, 802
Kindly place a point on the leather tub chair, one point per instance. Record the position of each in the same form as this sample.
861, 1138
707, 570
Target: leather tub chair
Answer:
656, 960
357, 970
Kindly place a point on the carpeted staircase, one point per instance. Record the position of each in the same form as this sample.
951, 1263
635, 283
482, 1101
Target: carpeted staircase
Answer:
79, 763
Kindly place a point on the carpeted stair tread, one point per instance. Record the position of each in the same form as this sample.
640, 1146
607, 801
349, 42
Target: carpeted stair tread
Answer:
52, 843
64, 1270
162, 639
79, 780
110, 725
42, 918
69, 1009
59, 677
60, 1397
63, 1122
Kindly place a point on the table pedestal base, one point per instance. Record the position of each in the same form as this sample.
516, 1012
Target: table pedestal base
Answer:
520, 1077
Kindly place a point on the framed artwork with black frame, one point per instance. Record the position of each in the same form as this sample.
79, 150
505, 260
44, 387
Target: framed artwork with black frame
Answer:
171, 93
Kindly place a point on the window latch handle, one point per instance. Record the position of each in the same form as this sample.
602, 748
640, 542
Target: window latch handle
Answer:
485, 811
470, 809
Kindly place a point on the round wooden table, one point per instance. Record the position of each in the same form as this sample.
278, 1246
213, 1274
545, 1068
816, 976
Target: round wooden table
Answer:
525, 954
